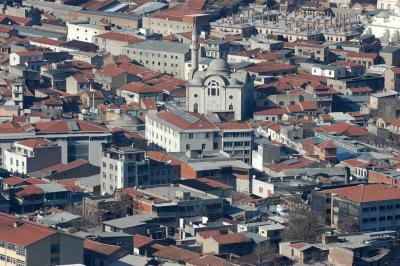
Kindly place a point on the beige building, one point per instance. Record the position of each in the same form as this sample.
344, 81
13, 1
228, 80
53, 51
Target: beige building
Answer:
392, 79
169, 22
112, 42
30, 155
315, 51
161, 56
25, 243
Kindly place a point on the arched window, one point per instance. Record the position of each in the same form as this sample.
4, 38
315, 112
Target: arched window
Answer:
230, 107
213, 88
196, 108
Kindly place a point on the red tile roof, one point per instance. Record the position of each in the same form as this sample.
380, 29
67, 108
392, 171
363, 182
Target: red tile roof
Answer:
111, 71
233, 126
200, 123
35, 143
272, 111
140, 241
352, 54
328, 144
343, 129
29, 191
224, 239
26, 234
100, 248
298, 245
47, 41
14, 180
176, 254
207, 260
64, 126
138, 87
296, 163
367, 193
116, 36
267, 67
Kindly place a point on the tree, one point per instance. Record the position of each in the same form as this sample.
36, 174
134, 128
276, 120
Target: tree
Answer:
303, 224
120, 207
348, 224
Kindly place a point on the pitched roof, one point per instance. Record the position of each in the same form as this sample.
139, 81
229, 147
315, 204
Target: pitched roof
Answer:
176, 254
272, 111
116, 36
207, 260
25, 234
270, 67
343, 129
35, 143
140, 241
14, 180
367, 193
233, 126
224, 239
68, 126
100, 248
328, 144
138, 87
111, 71
193, 122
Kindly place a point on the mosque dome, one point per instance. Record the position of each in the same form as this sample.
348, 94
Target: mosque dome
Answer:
218, 66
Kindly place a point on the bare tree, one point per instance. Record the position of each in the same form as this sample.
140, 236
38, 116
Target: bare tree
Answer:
348, 224
302, 223
120, 207
89, 216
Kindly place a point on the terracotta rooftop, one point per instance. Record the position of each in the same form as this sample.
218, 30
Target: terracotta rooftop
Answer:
200, 123
100, 248
224, 239
138, 87
140, 241
35, 143
25, 234
343, 129
233, 126
116, 36
207, 260
176, 254
267, 67
367, 193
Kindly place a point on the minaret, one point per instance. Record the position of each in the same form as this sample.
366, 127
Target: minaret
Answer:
195, 47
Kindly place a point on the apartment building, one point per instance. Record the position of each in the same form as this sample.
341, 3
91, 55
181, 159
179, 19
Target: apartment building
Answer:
112, 42
312, 51
167, 22
161, 56
73, 136
375, 207
236, 139
23, 242
83, 31
392, 79
30, 155
178, 131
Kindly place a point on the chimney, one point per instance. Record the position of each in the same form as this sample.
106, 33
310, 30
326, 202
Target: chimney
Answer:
17, 222
328, 238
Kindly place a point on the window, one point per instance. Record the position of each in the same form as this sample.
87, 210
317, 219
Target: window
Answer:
187, 147
20, 251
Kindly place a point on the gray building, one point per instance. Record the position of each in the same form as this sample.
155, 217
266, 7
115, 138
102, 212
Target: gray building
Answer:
162, 56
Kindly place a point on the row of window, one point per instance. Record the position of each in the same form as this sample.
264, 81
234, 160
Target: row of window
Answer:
12, 260
19, 250
381, 208
381, 219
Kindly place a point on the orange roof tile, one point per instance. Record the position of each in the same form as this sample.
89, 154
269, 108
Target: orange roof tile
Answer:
100, 248
367, 193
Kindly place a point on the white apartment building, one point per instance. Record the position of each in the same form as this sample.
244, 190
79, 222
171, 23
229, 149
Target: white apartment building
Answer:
123, 167
30, 155
178, 131
385, 25
236, 139
83, 31
387, 4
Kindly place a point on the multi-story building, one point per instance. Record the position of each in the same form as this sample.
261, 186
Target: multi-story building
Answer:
374, 207
167, 22
123, 167
112, 42
236, 139
313, 51
129, 167
23, 242
31, 155
392, 79
382, 104
83, 31
161, 56
178, 131
77, 139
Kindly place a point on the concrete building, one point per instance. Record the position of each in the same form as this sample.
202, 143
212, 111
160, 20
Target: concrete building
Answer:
74, 137
30, 155
382, 104
392, 79
178, 131
124, 167
390, 55
27, 243
112, 42
385, 25
374, 207
313, 51
161, 56
175, 21
83, 31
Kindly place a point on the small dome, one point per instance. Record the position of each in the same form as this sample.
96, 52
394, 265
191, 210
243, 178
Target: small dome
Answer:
219, 65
